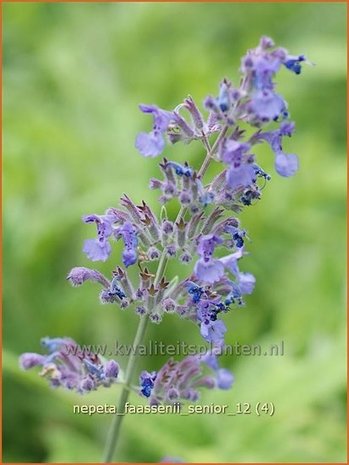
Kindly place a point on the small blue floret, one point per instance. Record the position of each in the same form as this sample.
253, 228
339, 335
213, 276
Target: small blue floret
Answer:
294, 64
147, 386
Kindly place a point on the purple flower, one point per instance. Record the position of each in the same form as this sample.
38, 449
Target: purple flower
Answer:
242, 176
129, 235
232, 151
54, 344
224, 98
80, 274
222, 107
147, 382
230, 261
115, 289
293, 63
67, 365
259, 67
246, 283
241, 171
182, 182
236, 234
194, 291
96, 250
30, 360
215, 283
286, 164
180, 170
207, 245
111, 369
153, 143
213, 331
99, 249
225, 378
208, 269
261, 64
177, 381
266, 106
274, 138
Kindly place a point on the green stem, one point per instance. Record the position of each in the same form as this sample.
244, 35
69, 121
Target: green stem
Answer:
114, 430
113, 433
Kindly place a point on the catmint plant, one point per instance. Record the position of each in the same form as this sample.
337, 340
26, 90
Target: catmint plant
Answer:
206, 236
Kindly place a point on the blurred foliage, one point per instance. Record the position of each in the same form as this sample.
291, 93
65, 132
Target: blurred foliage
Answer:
73, 77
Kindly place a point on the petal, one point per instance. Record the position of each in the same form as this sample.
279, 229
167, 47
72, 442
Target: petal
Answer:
96, 250
148, 108
129, 257
209, 272
225, 379
267, 105
29, 360
213, 332
150, 145
210, 360
230, 261
286, 164
242, 176
80, 274
111, 369
246, 283
161, 117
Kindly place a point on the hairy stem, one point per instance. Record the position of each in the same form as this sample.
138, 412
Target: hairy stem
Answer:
113, 433
211, 152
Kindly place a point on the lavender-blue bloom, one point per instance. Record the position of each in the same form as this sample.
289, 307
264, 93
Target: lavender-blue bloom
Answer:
180, 381
147, 382
232, 151
225, 379
246, 283
208, 269
182, 182
286, 164
96, 250
153, 143
266, 106
242, 176
100, 248
67, 366
213, 331
259, 67
215, 284
80, 274
30, 360
207, 245
293, 63
222, 107
129, 235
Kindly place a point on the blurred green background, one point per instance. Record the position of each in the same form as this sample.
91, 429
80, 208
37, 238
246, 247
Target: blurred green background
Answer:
73, 77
